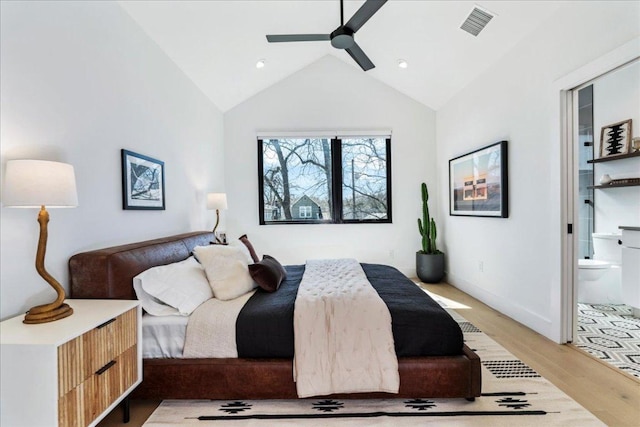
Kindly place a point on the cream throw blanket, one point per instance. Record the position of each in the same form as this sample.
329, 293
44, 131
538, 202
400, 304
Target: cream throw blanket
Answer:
211, 331
342, 329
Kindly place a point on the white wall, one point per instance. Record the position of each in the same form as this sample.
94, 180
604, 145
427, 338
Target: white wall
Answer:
80, 81
332, 95
514, 100
616, 98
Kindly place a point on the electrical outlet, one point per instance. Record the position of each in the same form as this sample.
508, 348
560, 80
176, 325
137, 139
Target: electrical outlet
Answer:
481, 266
392, 254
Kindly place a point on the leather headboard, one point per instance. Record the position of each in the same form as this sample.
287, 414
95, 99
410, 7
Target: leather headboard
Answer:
108, 273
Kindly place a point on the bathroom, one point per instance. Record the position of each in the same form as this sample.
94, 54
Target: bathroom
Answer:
607, 147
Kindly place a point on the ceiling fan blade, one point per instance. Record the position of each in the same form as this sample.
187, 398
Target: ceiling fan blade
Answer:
360, 57
277, 38
368, 9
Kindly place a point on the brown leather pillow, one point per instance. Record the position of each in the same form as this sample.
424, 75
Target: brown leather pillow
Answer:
268, 273
244, 239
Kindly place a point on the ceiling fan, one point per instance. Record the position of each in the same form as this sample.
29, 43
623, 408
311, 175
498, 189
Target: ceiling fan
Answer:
341, 37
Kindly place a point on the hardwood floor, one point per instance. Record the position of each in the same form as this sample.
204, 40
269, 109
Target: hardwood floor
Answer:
613, 397
610, 395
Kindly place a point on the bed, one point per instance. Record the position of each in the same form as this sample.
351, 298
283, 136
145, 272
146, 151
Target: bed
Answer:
108, 274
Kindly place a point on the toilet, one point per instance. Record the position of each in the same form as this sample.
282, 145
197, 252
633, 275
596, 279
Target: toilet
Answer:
599, 279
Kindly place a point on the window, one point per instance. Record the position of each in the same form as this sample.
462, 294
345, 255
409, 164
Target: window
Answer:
324, 180
305, 211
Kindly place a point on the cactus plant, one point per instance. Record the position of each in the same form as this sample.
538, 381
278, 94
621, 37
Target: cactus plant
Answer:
427, 226
429, 260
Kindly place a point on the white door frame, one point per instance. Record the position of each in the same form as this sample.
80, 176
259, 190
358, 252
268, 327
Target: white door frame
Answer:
563, 128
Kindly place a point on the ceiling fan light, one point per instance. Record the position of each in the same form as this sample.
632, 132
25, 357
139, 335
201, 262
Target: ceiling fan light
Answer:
402, 63
260, 64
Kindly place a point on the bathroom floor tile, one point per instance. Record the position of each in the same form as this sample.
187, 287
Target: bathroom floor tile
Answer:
610, 333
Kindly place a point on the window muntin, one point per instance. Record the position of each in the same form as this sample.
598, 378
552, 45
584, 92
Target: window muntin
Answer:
314, 180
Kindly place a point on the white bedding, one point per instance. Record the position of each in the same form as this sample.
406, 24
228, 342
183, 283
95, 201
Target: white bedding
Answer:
163, 336
342, 328
211, 331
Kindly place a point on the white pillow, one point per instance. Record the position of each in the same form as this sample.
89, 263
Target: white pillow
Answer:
243, 248
227, 270
152, 305
181, 287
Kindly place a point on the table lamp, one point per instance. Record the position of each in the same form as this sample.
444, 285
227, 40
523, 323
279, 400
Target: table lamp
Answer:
216, 201
36, 184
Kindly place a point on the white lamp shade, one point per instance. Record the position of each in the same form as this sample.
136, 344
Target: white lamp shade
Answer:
216, 201
35, 183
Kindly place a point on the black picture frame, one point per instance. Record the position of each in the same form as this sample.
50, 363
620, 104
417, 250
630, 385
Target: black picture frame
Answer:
615, 139
142, 182
478, 182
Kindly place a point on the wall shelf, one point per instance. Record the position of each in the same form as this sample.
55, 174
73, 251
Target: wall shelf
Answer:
630, 184
608, 159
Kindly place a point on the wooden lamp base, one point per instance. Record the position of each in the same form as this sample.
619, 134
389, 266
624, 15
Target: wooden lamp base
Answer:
57, 309
216, 226
47, 316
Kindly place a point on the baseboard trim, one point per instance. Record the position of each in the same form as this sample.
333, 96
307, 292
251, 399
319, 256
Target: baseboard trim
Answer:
516, 312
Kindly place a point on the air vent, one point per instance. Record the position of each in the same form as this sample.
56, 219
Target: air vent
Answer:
476, 21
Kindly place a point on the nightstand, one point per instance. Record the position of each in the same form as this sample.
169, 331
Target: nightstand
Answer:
71, 372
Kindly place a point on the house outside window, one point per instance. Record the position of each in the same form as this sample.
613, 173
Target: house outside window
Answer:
324, 180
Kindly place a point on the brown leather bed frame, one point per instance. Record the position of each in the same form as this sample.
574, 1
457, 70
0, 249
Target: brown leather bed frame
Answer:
108, 273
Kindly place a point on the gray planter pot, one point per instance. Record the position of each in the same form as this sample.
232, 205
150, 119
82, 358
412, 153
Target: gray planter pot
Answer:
430, 267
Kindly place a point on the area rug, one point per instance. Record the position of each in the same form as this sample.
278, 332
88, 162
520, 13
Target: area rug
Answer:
513, 394
611, 333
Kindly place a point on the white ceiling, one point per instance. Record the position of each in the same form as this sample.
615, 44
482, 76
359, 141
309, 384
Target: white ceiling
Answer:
217, 43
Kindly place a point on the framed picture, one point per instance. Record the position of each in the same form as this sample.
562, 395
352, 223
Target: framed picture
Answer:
615, 139
142, 182
478, 182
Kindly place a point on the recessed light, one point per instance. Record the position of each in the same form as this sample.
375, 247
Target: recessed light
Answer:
402, 63
260, 63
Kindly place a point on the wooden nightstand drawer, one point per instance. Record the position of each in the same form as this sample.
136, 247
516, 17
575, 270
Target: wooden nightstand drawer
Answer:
81, 357
115, 379
84, 403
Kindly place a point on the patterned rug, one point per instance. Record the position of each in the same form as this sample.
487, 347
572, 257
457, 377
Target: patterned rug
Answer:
513, 394
610, 333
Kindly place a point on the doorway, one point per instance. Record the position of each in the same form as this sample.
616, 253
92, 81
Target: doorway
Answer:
603, 325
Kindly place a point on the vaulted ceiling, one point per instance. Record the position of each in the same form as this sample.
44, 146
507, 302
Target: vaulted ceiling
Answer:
217, 43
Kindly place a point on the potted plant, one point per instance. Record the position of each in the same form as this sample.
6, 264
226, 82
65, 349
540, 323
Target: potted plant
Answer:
429, 260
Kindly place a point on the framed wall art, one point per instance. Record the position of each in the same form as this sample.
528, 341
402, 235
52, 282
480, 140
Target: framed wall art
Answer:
142, 182
615, 139
478, 184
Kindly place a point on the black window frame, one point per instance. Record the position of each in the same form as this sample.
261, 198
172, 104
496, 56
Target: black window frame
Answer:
336, 186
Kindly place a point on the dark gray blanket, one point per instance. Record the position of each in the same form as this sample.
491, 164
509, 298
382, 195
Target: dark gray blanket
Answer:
421, 327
